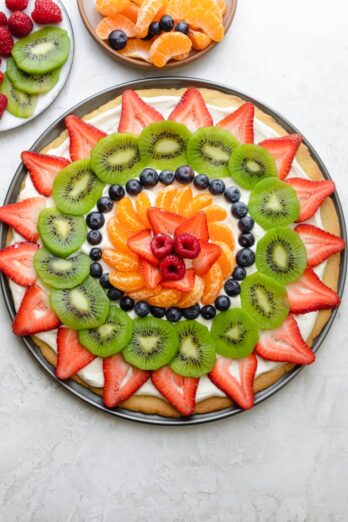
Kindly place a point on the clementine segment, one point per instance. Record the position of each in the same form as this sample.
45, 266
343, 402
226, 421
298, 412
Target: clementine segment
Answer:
177, 9
118, 235
212, 284
221, 232
196, 204
111, 7
144, 293
146, 14
199, 40
167, 46
165, 197
180, 201
208, 22
226, 260
136, 48
208, 5
131, 12
108, 24
192, 297
166, 297
127, 216
142, 203
126, 281
122, 261
215, 213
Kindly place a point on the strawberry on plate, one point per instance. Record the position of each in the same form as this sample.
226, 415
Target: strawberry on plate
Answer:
240, 123
162, 221
35, 314
140, 244
192, 111
310, 194
23, 216
185, 284
83, 137
196, 226
71, 355
320, 245
179, 391
136, 114
43, 169
309, 294
151, 274
206, 258
283, 150
16, 261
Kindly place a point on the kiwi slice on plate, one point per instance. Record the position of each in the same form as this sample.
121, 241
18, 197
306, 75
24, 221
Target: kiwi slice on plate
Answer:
273, 203
42, 51
154, 343
281, 255
110, 337
84, 306
19, 103
61, 273
76, 189
264, 300
235, 333
250, 164
62, 234
209, 150
196, 354
31, 83
116, 158
163, 144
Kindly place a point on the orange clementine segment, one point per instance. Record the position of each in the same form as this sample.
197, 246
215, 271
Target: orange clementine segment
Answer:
126, 281
177, 9
144, 293
226, 260
212, 284
138, 2
142, 203
108, 24
166, 297
209, 5
167, 46
196, 204
192, 297
199, 40
215, 213
221, 232
222, 5
165, 197
131, 12
118, 235
111, 7
180, 57
122, 261
127, 216
136, 48
208, 22
146, 14
161, 12
181, 199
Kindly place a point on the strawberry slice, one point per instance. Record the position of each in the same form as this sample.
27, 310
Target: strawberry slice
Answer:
310, 194
162, 221
140, 244
320, 245
71, 355
192, 111
23, 216
43, 169
83, 137
196, 226
16, 261
120, 380
206, 258
240, 123
185, 284
179, 391
136, 114
35, 314
285, 344
151, 274
309, 294
283, 150
240, 391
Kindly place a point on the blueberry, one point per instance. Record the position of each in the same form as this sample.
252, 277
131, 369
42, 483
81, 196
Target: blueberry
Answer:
166, 23
95, 254
141, 308
148, 178
118, 40
96, 269
232, 287
114, 294
208, 312
239, 273
95, 220
104, 204
94, 237
166, 177
126, 303
232, 194
222, 303
182, 27
158, 311
173, 314
246, 224
245, 257
201, 182
116, 192
216, 186
104, 281
154, 30
239, 209
246, 240
184, 174
133, 187
192, 312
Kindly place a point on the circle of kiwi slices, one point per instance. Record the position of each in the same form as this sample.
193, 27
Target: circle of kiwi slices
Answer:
61, 273
209, 150
273, 203
76, 189
281, 255
154, 343
235, 333
196, 353
61, 234
250, 164
264, 300
110, 337
19, 103
31, 83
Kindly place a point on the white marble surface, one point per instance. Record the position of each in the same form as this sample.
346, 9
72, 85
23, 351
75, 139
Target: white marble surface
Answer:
286, 460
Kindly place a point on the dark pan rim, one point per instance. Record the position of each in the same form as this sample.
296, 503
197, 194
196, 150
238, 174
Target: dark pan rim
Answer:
88, 105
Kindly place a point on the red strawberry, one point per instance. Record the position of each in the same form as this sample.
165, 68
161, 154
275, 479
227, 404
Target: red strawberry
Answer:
3, 104
20, 24
310, 194
136, 114
83, 137
23, 216
35, 314
179, 391
240, 391
240, 123
195, 226
43, 169
320, 245
192, 111
1, 80
46, 12
208, 255
16, 5
151, 274
162, 221
283, 150
309, 294
185, 284
71, 355
140, 244
16, 261
120, 380
6, 41
285, 344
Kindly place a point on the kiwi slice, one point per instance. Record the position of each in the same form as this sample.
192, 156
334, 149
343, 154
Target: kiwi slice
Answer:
273, 203
116, 158
163, 144
19, 103
84, 306
209, 150
281, 255
42, 51
264, 300
250, 164
31, 83
235, 333
196, 354
76, 189
154, 343
62, 234
61, 273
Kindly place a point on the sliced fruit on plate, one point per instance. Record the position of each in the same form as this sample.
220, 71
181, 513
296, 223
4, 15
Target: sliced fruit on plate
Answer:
136, 114
19, 103
167, 46
235, 333
212, 284
208, 255
167, 297
319, 244
283, 150
71, 355
310, 194
249, 164
177, 9
61, 234
207, 21
136, 48
131, 11
185, 284
61, 273
16, 262
151, 274
221, 232
199, 202
163, 221
23, 216
43, 169
181, 200
146, 14
215, 213
199, 40
226, 260
165, 197
127, 216
122, 261
144, 293
117, 22
83, 137
195, 226
191, 110
179, 391
142, 203
34, 314
127, 281
190, 298
30, 83
118, 235
110, 7
240, 123
140, 244
309, 294
209, 5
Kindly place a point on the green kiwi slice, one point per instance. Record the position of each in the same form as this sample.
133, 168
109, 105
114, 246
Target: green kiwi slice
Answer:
61, 234
19, 103
235, 333
273, 203
163, 144
84, 306
196, 354
209, 150
250, 164
110, 337
264, 300
31, 83
76, 188
61, 273
154, 343
116, 158
42, 51
281, 255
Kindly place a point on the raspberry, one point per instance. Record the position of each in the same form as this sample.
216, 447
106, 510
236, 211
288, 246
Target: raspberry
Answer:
187, 246
20, 24
16, 5
3, 104
172, 268
162, 245
3, 19
6, 42
46, 12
